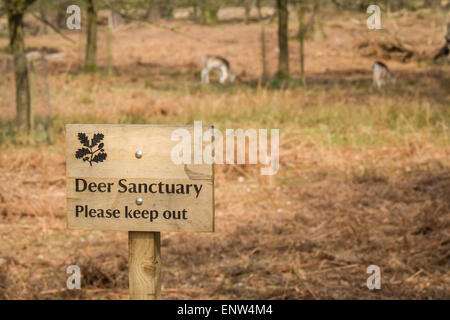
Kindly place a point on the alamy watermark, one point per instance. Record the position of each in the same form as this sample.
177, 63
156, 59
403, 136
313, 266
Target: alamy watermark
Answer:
74, 280
374, 21
214, 151
74, 20
374, 281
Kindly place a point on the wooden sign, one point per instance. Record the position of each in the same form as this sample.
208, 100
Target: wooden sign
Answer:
123, 177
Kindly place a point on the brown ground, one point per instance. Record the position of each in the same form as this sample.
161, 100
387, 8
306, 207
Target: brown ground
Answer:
309, 232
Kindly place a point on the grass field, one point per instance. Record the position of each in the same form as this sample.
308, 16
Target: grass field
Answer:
364, 173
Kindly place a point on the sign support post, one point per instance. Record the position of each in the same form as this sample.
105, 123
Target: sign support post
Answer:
144, 249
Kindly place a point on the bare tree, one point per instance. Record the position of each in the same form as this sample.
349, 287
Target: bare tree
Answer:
210, 11
263, 42
90, 64
247, 5
283, 58
157, 9
43, 8
15, 10
301, 38
315, 27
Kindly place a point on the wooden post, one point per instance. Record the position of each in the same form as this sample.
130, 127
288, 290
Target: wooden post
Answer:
144, 265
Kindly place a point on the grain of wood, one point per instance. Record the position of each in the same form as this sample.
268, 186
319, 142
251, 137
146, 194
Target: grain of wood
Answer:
144, 250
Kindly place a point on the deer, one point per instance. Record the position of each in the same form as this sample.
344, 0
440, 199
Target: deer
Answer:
216, 62
382, 75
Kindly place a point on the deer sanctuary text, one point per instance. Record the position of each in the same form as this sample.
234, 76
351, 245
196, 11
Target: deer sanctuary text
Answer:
81, 185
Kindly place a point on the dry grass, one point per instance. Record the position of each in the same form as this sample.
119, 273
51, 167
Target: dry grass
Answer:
364, 174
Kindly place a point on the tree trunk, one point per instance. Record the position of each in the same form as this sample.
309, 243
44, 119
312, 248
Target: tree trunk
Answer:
60, 19
211, 16
196, 11
210, 12
447, 36
301, 36
247, 4
61, 7
113, 20
315, 25
167, 11
109, 51
263, 42
91, 45
23, 96
43, 14
283, 58
388, 7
